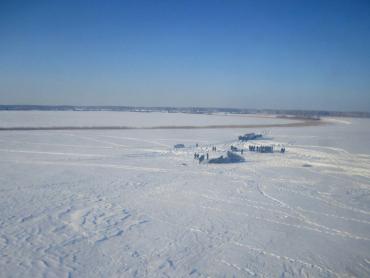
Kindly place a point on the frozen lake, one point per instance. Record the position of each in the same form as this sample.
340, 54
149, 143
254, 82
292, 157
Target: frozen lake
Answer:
127, 119
125, 203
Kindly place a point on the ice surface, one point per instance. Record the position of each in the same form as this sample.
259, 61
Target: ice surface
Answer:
125, 203
127, 119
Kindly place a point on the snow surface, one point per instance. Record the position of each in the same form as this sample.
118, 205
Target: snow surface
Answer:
128, 119
125, 203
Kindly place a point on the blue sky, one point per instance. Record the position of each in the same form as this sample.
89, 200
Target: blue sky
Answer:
248, 54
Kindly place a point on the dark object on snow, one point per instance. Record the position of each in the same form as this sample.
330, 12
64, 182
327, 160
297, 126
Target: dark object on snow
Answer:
234, 149
282, 150
230, 158
249, 136
179, 146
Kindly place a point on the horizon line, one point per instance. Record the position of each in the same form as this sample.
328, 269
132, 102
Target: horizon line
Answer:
2, 106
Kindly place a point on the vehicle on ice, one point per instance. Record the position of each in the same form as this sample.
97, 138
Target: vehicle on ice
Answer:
179, 146
249, 136
230, 158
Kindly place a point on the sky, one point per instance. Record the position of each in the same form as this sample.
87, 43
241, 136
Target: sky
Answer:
242, 54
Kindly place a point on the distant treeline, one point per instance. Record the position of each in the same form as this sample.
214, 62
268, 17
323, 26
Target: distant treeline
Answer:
306, 114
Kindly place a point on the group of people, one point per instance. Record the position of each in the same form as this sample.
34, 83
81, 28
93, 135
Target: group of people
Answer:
200, 157
252, 148
235, 149
261, 149
264, 149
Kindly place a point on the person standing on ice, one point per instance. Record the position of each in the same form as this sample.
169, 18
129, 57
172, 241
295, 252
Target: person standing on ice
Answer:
207, 156
201, 158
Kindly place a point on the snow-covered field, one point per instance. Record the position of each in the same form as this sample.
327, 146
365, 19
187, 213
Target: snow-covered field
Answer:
125, 203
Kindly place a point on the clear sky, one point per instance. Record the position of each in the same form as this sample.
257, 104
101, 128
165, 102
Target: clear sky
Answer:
248, 54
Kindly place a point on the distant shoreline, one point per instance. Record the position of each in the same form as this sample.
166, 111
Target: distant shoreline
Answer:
307, 114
